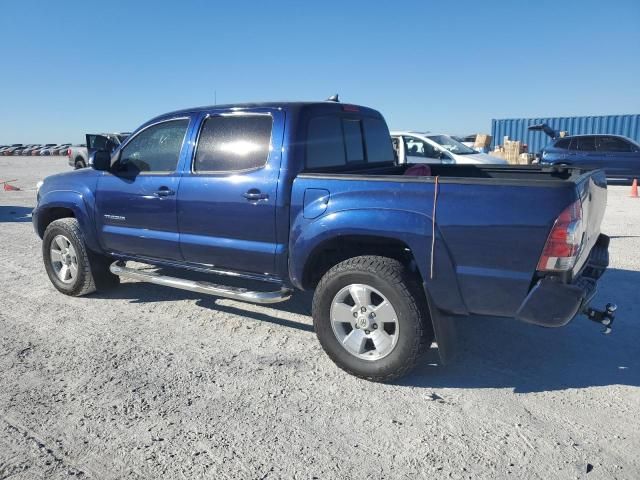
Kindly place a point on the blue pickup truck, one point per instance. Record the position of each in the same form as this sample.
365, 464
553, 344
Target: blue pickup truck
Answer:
310, 196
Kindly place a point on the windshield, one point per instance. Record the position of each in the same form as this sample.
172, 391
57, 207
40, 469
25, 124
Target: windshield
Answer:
452, 145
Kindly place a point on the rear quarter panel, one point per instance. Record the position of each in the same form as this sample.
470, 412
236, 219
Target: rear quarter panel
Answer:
488, 236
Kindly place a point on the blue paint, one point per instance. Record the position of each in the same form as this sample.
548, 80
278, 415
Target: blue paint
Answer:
488, 238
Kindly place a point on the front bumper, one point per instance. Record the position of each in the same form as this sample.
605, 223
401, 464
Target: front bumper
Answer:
552, 303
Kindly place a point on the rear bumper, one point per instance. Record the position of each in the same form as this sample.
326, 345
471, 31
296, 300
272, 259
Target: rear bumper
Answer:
552, 303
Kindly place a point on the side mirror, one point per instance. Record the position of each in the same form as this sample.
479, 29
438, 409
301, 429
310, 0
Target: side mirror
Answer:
100, 160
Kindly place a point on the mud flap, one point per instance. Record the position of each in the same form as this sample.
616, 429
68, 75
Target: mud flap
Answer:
445, 332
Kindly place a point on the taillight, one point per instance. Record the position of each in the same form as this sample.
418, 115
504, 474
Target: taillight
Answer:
68, 152
565, 240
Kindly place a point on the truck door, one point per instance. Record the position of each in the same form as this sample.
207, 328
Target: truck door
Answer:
227, 198
136, 200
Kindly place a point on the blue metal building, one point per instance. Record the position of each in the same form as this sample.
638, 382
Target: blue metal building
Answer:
516, 128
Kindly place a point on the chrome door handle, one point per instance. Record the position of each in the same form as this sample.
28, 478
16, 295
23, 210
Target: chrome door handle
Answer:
164, 192
254, 195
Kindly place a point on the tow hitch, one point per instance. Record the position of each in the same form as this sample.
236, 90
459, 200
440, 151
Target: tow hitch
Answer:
603, 317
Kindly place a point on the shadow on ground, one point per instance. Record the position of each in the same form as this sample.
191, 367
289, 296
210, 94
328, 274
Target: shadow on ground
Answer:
492, 352
140, 292
10, 214
503, 353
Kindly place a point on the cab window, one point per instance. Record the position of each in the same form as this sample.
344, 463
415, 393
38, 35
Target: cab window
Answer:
155, 149
233, 143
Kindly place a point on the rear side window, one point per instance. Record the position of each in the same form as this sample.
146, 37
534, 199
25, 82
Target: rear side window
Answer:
233, 142
325, 144
563, 143
585, 144
353, 140
377, 140
613, 144
333, 141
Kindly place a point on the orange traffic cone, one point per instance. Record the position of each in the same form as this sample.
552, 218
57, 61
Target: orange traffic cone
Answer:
634, 188
8, 187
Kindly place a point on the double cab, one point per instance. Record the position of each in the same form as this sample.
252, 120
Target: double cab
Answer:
309, 196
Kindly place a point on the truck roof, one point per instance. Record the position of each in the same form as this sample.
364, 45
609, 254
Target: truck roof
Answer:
282, 105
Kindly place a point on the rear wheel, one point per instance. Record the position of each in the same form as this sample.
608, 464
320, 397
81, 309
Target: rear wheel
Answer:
370, 316
71, 267
79, 164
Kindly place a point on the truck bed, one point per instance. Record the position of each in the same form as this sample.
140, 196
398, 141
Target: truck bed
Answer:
491, 222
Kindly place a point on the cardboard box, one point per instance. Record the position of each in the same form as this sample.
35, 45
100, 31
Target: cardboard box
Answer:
482, 140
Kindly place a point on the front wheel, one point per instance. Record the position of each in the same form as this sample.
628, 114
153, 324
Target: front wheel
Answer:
369, 314
72, 268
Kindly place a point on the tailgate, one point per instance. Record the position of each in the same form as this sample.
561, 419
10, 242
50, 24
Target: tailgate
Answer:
592, 191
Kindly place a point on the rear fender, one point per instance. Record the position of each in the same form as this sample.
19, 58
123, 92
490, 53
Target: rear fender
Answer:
411, 228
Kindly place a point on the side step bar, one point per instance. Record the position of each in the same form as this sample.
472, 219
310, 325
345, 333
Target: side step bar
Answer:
235, 293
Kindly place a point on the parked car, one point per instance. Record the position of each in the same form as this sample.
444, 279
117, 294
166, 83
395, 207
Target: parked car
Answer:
60, 149
79, 155
27, 149
309, 196
22, 151
32, 150
44, 150
416, 147
618, 156
12, 148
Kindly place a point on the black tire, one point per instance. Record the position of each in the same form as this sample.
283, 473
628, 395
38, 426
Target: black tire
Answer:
79, 164
401, 289
92, 269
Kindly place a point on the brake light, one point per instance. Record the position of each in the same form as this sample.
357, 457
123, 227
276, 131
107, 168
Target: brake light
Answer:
68, 152
565, 240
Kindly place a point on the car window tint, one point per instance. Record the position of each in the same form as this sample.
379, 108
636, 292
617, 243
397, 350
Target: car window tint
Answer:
612, 144
585, 144
414, 147
325, 143
155, 149
353, 140
563, 143
233, 142
377, 140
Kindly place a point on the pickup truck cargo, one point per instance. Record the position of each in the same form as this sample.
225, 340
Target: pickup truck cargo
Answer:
309, 196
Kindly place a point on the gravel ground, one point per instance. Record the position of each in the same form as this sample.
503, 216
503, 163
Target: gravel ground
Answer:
149, 382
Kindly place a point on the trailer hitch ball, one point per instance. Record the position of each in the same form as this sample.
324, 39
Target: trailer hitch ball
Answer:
603, 317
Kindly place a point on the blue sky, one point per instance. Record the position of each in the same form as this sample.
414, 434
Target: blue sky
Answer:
70, 67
